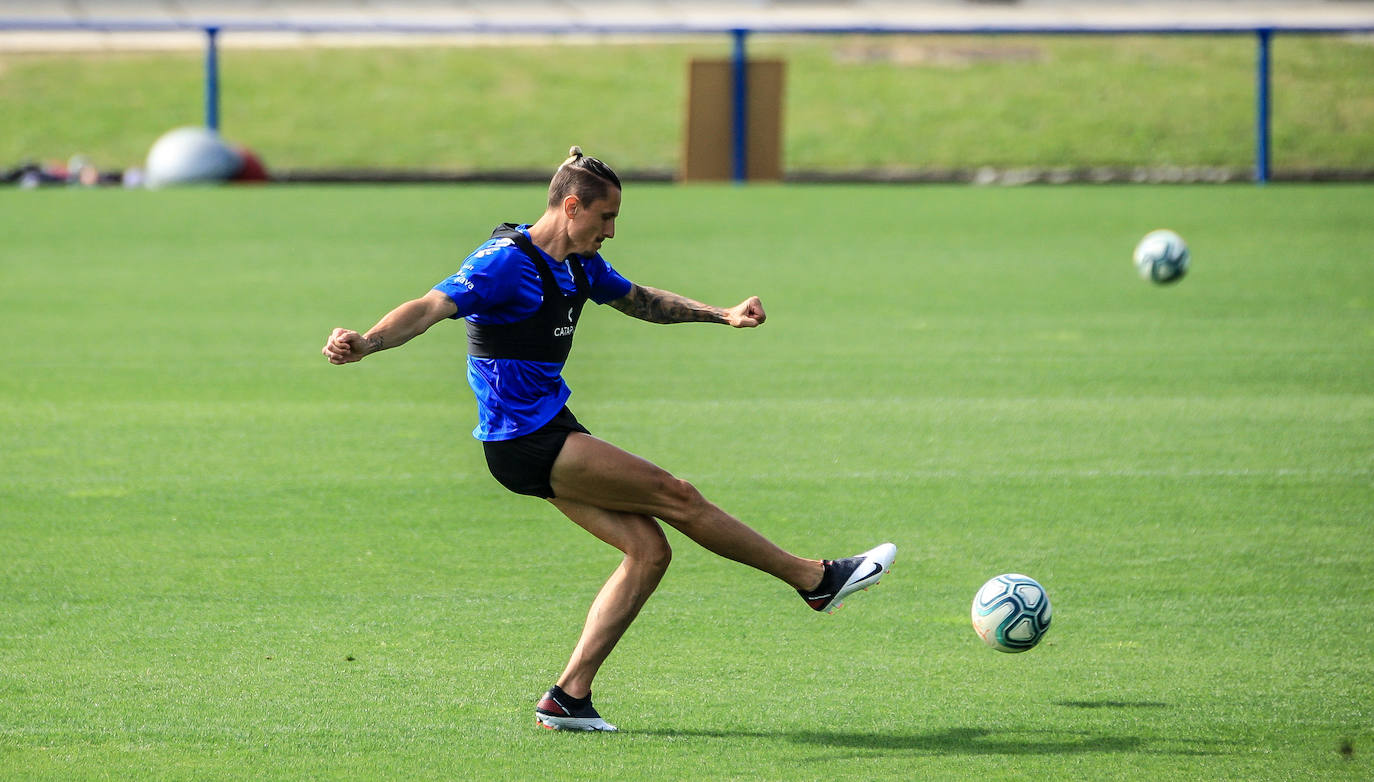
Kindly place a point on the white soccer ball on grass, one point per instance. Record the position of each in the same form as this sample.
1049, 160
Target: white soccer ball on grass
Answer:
1162, 256
1011, 612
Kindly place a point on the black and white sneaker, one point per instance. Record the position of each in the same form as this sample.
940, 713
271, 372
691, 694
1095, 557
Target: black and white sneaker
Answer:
558, 710
844, 577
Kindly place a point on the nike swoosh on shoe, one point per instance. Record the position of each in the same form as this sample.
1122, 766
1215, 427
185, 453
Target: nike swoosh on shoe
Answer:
877, 570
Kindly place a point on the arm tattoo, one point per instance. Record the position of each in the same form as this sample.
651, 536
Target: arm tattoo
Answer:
658, 306
376, 343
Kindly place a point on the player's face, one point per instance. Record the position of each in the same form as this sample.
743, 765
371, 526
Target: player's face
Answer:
594, 223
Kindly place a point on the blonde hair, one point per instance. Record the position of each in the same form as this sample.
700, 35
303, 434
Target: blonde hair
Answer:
585, 177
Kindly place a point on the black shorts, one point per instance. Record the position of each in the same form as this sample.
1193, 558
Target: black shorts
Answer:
523, 464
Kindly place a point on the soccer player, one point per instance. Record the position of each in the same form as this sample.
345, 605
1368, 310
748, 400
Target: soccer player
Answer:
521, 293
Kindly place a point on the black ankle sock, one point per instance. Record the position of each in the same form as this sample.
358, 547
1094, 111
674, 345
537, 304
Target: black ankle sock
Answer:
568, 700
827, 577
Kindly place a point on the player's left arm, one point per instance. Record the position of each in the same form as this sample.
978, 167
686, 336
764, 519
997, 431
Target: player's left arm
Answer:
660, 306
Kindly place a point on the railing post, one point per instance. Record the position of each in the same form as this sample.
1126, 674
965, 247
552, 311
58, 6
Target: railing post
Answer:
1262, 106
740, 123
211, 79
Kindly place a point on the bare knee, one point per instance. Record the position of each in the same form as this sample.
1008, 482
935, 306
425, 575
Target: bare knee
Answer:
650, 551
682, 503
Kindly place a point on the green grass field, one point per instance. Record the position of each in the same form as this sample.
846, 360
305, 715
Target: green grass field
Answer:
224, 558
851, 103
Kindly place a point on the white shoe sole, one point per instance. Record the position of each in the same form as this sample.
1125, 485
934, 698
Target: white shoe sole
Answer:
574, 723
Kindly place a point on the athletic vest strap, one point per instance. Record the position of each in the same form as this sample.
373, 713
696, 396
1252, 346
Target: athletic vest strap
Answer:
546, 335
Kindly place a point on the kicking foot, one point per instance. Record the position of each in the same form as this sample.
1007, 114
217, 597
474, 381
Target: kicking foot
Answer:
844, 577
559, 711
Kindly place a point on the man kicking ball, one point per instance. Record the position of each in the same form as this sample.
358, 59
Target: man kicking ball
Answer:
521, 293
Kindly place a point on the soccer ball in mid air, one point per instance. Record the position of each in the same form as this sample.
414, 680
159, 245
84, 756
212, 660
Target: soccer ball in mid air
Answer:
1011, 612
1162, 256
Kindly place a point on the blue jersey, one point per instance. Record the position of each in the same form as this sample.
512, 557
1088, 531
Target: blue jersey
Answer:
498, 283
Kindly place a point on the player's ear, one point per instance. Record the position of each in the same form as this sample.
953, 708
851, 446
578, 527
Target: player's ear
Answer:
571, 204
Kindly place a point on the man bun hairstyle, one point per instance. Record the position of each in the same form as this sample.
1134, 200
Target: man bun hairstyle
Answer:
585, 177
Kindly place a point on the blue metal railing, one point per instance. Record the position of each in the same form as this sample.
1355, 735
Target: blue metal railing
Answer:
739, 66
212, 78
740, 99
1264, 35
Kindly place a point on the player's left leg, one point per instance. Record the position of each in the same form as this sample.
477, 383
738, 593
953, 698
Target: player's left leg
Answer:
647, 555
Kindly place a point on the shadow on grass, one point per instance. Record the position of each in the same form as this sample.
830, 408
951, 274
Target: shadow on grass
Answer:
966, 741
976, 741
1112, 704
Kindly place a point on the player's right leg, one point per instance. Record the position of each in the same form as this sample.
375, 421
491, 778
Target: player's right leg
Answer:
594, 472
600, 474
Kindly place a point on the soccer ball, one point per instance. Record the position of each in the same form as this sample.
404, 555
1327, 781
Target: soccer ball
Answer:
1011, 613
1162, 256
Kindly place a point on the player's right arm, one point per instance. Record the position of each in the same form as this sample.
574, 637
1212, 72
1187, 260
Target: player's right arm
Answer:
396, 328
